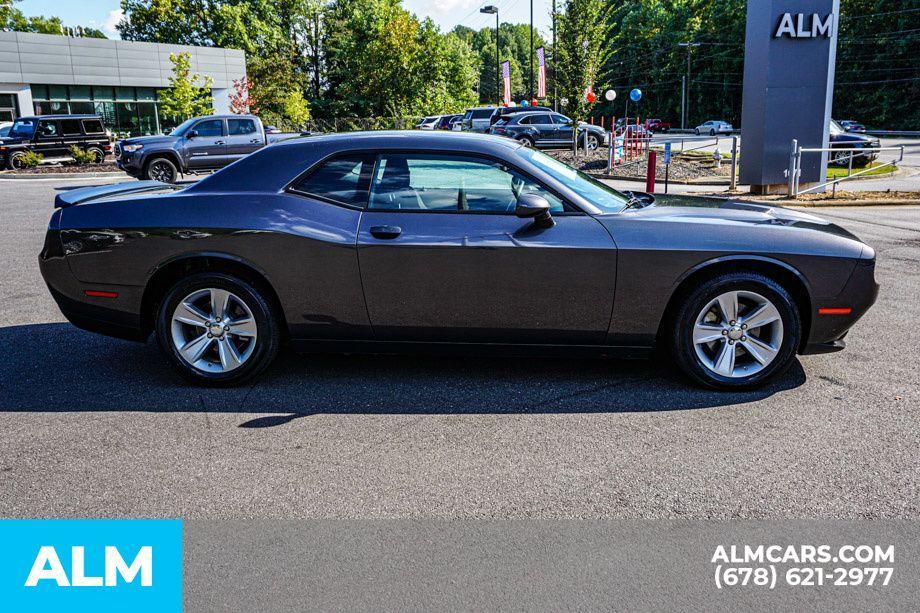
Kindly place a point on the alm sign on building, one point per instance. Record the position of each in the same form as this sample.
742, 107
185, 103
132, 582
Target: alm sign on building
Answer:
795, 27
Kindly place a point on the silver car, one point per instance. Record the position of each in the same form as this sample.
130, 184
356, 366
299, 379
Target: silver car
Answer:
714, 127
478, 119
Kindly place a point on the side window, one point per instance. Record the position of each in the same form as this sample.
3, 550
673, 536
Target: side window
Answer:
542, 119
237, 127
71, 127
93, 126
449, 183
343, 180
561, 119
211, 127
47, 129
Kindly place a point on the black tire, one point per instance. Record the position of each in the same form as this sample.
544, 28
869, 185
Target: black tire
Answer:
267, 320
712, 133
525, 140
697, 130
98, 155
161, 169
15, 160
682, 346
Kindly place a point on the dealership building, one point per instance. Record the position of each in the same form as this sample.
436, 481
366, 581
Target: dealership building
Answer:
118, 80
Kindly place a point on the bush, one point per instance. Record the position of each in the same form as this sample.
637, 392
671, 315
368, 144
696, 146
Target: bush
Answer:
81, 156
30, 159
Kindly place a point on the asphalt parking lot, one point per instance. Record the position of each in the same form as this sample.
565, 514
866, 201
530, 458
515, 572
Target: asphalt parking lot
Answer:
95, 427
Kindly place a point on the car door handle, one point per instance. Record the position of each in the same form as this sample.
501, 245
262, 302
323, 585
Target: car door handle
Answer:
386, 231
255, 140
219, 142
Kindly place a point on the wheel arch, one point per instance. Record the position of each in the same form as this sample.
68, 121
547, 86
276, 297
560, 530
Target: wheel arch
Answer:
171, 271
784, 274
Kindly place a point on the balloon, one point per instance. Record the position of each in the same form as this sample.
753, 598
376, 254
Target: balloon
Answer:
534, 102
635, 95
591, 97
610, 95
524, 103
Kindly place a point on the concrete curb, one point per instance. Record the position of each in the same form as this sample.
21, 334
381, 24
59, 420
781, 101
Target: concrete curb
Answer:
61, 175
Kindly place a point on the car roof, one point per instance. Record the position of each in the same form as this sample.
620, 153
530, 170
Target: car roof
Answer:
87, 116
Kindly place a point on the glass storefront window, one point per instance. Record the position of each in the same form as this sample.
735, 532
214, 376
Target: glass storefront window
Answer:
148, 118
39, 92
79, 92
126, 119
81, 108
106, 110
57, 92
124, 94
146, 94
105, 94
56, 107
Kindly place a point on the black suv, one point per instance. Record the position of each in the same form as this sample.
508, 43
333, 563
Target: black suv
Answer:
502, 112
52, 136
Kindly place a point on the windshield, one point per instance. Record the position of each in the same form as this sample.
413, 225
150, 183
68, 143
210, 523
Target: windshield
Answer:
23, 128
183, 127
836, 128
5, 131
602, 196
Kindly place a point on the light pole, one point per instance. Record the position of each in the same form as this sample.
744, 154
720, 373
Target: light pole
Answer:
493, 10
685, 107
530, 87
555, 93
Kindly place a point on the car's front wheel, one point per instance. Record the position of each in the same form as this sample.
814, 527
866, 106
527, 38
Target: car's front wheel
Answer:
216, 329
525, 140
593, 142
736, 331
162, 170
712, 133
697, 130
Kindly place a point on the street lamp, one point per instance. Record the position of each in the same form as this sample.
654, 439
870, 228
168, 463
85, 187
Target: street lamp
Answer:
493, 10
685, 102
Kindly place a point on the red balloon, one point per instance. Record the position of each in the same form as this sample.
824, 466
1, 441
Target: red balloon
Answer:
591, 97
534, 102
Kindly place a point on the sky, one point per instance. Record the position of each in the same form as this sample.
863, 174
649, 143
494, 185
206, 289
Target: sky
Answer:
104, 14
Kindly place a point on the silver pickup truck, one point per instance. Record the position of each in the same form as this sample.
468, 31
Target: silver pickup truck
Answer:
201, 144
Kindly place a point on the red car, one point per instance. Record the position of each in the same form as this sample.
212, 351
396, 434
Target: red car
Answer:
657, 125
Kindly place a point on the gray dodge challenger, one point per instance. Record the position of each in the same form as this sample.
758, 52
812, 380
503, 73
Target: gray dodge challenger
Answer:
397, 241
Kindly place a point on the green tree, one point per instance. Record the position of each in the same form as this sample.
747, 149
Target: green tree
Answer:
581, 49
188, 94
515, 48
13, 19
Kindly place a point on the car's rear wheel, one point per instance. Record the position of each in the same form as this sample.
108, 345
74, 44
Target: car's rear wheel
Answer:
162, 170
593, 142
712, 133
525, 140
697, 130
216, 329
98, 155
736, 331
15, 161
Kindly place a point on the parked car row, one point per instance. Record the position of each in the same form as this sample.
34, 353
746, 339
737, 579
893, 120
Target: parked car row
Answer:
545, 128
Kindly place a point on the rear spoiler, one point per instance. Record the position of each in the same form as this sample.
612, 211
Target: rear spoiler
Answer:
85, 194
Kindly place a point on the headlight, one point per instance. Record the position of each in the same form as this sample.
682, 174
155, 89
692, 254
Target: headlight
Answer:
131, 148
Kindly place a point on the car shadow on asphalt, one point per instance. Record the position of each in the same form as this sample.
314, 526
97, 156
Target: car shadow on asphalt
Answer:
56, 367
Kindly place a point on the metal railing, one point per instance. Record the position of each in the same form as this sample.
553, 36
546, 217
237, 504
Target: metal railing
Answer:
794, 172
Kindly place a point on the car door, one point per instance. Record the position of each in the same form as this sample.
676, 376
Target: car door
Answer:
563, 131
243, 137
546, 129
48, 139
207, 147
443, 257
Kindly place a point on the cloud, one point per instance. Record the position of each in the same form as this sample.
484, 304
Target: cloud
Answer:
114, 18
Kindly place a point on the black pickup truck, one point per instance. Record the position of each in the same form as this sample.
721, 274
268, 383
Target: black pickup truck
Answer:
52, 136
200, 144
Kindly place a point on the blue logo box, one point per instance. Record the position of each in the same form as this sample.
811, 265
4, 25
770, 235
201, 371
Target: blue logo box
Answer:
91, 565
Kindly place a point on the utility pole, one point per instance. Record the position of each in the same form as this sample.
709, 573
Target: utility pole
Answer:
686, 106
493, 10
530, 86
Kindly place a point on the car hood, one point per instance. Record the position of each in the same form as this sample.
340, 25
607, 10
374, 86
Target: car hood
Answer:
11, 141
719, 213
849, 137
150, 140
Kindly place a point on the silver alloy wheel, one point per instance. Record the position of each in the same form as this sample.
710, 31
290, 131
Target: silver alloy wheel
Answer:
592, 142
162, 171
524, 140
738, 334
214, 330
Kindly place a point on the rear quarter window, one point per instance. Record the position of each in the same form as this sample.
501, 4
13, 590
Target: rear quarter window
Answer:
341, 180
93, 126
482, 113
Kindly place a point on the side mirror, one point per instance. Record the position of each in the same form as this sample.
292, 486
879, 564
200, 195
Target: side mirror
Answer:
191, 134
532, 206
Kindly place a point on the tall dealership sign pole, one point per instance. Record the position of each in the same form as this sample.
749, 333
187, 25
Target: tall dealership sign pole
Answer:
789, 61
490, 10
530, 86
555, 92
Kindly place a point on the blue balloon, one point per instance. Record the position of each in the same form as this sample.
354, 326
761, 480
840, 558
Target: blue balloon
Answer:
635, 95
524, 103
